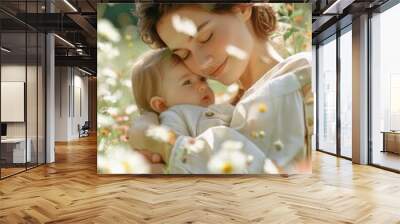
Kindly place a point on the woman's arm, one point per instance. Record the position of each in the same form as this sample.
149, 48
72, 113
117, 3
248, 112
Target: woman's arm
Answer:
138, 138
165, 129
137, 132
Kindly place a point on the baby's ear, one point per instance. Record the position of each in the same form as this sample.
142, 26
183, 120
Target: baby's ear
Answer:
158, 104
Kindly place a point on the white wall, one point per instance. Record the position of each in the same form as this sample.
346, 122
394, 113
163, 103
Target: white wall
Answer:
62, 81
68, 83
13, 73
79, 117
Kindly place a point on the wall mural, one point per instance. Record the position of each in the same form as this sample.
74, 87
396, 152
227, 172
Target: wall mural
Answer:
210, 88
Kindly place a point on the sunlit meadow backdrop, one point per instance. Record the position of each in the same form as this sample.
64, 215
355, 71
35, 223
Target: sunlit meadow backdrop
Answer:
119, 44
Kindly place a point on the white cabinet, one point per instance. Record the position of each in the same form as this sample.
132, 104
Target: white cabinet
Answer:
17, 146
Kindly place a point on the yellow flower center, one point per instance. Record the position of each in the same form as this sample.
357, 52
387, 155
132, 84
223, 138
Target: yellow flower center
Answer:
171, 137
262, 107
227, 168
127, 166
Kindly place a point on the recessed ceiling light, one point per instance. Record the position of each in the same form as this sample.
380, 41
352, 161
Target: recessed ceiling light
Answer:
64, 40
84, 71
337, 7
70, 5
5, 50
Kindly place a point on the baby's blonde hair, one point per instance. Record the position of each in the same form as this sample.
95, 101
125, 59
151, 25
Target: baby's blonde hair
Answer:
147, 75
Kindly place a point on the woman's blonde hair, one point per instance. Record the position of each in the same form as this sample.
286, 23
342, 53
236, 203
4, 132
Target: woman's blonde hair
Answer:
262, 16
147, 75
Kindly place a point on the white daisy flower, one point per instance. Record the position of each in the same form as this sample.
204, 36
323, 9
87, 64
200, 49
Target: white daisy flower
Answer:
113, 98
194, 145
112, 53
278, 145
269, 167
104, 121
184, 25
111, 82
112, 111
102, 162
229, 160
107, 29
131, 109
127, 83
223, 98
250, 159
107, 50
258, 111
233, 88
108, 72
236, 52
101, 145
159, 133
120, 159
102, 90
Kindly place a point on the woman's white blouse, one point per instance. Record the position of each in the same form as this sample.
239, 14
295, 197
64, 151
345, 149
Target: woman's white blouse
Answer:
269, 120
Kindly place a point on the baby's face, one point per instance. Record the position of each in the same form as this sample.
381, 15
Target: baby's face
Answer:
180, 86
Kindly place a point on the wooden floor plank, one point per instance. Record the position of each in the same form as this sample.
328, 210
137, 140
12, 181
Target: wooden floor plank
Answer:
70, 191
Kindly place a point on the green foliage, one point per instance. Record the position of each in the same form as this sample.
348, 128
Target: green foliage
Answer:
295, 28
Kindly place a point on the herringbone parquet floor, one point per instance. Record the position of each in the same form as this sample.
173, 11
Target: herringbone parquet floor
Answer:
70, 191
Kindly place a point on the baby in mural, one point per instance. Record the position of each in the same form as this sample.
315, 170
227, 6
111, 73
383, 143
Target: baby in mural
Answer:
196, 136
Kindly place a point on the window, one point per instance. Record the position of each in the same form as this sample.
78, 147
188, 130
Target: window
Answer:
327, 96
346, 75
385, 89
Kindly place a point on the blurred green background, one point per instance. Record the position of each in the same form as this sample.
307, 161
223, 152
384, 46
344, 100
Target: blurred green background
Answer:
119, 44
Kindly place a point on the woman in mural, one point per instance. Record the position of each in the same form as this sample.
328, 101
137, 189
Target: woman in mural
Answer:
229, 43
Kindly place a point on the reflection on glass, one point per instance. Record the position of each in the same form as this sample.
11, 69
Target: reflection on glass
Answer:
394, 101
13, 84
31, 99
41, 98
327, 97
346, 94
386, 89
22, 90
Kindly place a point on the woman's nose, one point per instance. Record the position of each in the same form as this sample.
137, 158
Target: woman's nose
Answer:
204, 61
201, 86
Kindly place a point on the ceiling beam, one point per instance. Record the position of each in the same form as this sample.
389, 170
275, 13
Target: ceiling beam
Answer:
81, 61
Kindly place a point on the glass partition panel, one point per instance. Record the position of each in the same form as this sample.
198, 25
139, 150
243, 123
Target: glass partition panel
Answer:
41, 98
31, 97
346, 94
23, 88
327, 96
14, 153
385, 84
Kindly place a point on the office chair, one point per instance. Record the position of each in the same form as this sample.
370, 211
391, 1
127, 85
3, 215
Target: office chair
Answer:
84, 130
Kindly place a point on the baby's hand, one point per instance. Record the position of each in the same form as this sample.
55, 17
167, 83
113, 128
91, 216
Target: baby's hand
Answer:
151, 157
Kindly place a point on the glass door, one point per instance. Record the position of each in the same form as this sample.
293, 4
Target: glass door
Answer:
385, 90
327, 96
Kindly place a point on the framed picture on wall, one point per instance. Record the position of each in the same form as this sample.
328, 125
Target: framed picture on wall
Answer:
211, 88
12, 101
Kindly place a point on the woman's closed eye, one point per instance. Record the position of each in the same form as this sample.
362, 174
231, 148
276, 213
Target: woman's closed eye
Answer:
207, 38
203, 79
187, 82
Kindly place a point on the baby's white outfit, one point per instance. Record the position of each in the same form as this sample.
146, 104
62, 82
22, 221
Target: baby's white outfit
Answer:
269, 120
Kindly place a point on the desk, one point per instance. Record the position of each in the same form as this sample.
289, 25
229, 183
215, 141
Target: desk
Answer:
16, 148
391, 141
